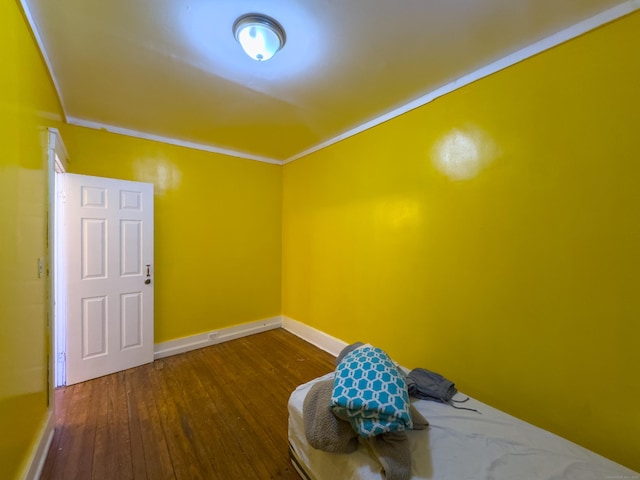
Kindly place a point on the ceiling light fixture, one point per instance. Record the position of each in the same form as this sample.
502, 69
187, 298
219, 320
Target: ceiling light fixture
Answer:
260, 36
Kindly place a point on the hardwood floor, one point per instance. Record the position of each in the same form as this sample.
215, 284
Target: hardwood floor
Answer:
215, 413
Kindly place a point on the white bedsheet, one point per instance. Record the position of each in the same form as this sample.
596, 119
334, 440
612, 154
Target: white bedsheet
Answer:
462, 445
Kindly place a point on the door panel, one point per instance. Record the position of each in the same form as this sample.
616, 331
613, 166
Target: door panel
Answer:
131, 233
109, 252
94, 248
131, 316
94, 327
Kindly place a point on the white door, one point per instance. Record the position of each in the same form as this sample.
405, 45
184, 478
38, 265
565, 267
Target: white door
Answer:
109, 251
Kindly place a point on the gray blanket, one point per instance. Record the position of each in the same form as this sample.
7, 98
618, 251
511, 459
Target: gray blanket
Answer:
325, 431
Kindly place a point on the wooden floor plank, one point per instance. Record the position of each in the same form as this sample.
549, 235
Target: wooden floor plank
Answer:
104, 452
253, 389
211, 414
77, 449
149, 450
122, 433
62, 399
137, 424
236, 422
214, 413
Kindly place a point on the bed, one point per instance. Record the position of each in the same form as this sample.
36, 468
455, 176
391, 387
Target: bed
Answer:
458, 445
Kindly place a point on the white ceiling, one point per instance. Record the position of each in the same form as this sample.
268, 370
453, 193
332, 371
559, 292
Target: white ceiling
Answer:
171, 69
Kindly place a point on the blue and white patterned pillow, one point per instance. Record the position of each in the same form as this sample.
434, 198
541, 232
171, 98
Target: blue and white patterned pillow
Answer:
372, 392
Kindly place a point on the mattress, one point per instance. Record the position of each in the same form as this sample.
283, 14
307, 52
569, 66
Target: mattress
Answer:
459, 445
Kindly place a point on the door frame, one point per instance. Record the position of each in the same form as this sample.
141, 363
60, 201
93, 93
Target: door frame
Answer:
57, 160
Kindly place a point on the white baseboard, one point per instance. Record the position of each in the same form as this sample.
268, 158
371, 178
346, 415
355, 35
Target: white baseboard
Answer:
315, 337
40, 449
193, 342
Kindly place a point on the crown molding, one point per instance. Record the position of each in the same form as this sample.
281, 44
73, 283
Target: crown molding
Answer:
168, 140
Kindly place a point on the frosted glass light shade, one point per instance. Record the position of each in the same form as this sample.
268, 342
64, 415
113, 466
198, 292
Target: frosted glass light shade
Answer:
260, 36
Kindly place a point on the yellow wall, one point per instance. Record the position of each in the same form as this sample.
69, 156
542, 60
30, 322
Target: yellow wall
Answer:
217, 228
493, 236
27, 106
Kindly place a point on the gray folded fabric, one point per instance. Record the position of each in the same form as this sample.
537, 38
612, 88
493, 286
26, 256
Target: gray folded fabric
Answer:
419, 422
428, 385
394, 454
323, 430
